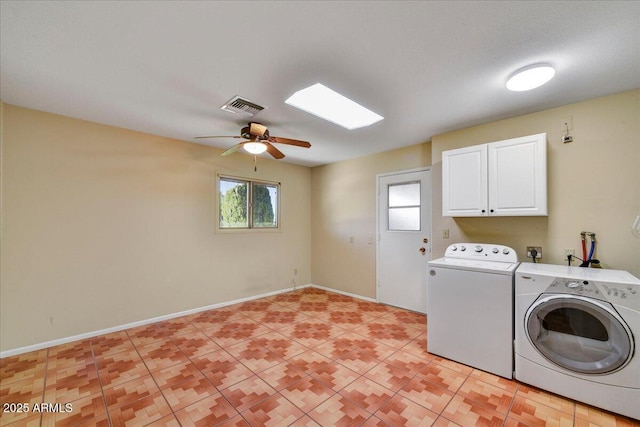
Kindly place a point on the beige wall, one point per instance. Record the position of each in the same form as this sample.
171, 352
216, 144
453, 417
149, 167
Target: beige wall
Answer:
343, 205
593, 183
104, 226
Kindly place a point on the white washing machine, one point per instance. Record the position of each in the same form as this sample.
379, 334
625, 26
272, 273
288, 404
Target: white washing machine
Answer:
576, 334
470, 306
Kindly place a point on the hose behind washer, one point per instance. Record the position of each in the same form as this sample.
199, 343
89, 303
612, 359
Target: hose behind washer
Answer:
593, 246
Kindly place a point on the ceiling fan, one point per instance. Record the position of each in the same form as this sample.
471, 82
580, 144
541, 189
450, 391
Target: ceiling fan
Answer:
258, 140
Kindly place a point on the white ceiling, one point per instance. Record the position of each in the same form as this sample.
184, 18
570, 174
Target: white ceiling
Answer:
165, 67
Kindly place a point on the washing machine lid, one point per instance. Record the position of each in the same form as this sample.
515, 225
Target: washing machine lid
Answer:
475, 265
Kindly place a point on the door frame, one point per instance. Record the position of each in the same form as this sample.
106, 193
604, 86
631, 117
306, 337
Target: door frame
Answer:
386, 174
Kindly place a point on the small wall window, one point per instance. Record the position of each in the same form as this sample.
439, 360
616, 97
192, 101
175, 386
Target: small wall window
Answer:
248, 204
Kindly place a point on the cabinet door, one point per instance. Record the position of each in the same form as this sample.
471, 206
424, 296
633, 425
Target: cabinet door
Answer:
464, 181
518, 176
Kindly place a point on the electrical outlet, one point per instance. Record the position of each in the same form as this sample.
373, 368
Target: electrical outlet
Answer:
568, 252
537, 248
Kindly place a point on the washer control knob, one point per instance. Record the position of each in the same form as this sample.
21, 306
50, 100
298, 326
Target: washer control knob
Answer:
478, 248
505, 251
495, 250
454, 248
462, 248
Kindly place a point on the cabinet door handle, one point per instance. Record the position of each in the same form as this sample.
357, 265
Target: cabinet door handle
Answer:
483, 211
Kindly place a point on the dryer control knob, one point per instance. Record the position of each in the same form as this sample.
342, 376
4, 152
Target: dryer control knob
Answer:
505, 251
495, 250
454, 248
462, 248
478, 248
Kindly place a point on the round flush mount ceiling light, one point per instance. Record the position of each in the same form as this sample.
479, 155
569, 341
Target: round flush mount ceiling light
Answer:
255, 147
530, 77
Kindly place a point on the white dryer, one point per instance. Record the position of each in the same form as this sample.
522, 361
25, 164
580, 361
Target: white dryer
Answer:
470, 306
576, 332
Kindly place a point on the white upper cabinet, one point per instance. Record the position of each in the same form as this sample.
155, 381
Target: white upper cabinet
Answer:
504, 178
464, 181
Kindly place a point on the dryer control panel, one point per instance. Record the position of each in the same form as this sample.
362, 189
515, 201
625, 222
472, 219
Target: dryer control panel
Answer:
575, 287
620, 291
613, 292
615, 286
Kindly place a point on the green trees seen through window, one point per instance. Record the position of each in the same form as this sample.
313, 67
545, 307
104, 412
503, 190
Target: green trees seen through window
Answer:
243, 200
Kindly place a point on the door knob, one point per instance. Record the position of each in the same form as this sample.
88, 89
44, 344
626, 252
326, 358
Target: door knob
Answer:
423, 250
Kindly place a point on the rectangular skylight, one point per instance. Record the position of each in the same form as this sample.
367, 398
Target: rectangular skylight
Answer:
327, 104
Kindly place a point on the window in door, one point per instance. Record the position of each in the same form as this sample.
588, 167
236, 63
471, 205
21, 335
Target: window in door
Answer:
404, 206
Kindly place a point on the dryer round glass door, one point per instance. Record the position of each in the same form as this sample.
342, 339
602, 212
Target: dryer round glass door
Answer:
579, 334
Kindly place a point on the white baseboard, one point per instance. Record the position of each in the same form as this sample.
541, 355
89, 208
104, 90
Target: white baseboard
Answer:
337, 291
65, 340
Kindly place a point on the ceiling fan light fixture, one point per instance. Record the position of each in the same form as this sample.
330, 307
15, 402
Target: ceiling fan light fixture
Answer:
530, 77
255, 147
329, 105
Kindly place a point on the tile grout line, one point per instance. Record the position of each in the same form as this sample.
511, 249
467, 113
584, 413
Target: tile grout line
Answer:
104, 398
513, 401
219, 391
44, 388
152, 377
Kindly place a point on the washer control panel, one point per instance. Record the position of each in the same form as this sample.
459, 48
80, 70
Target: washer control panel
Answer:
484, 251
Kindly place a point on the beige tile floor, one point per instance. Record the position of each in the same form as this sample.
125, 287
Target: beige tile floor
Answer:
303, 358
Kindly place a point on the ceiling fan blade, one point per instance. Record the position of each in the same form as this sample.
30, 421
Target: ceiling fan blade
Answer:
257, 129
233, 149
277, 154
216, 136
295, 142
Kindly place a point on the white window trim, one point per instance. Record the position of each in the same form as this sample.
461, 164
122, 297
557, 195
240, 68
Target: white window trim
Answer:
222, 230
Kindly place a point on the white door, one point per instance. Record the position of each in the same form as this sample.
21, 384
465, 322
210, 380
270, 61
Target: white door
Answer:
404, 238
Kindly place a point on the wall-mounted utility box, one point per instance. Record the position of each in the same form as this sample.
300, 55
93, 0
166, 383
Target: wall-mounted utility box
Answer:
502, 178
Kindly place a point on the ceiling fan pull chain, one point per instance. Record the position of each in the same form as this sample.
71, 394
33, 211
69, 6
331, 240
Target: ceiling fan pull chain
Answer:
255, 163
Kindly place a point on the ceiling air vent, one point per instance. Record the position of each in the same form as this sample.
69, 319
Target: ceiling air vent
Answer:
242, 106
